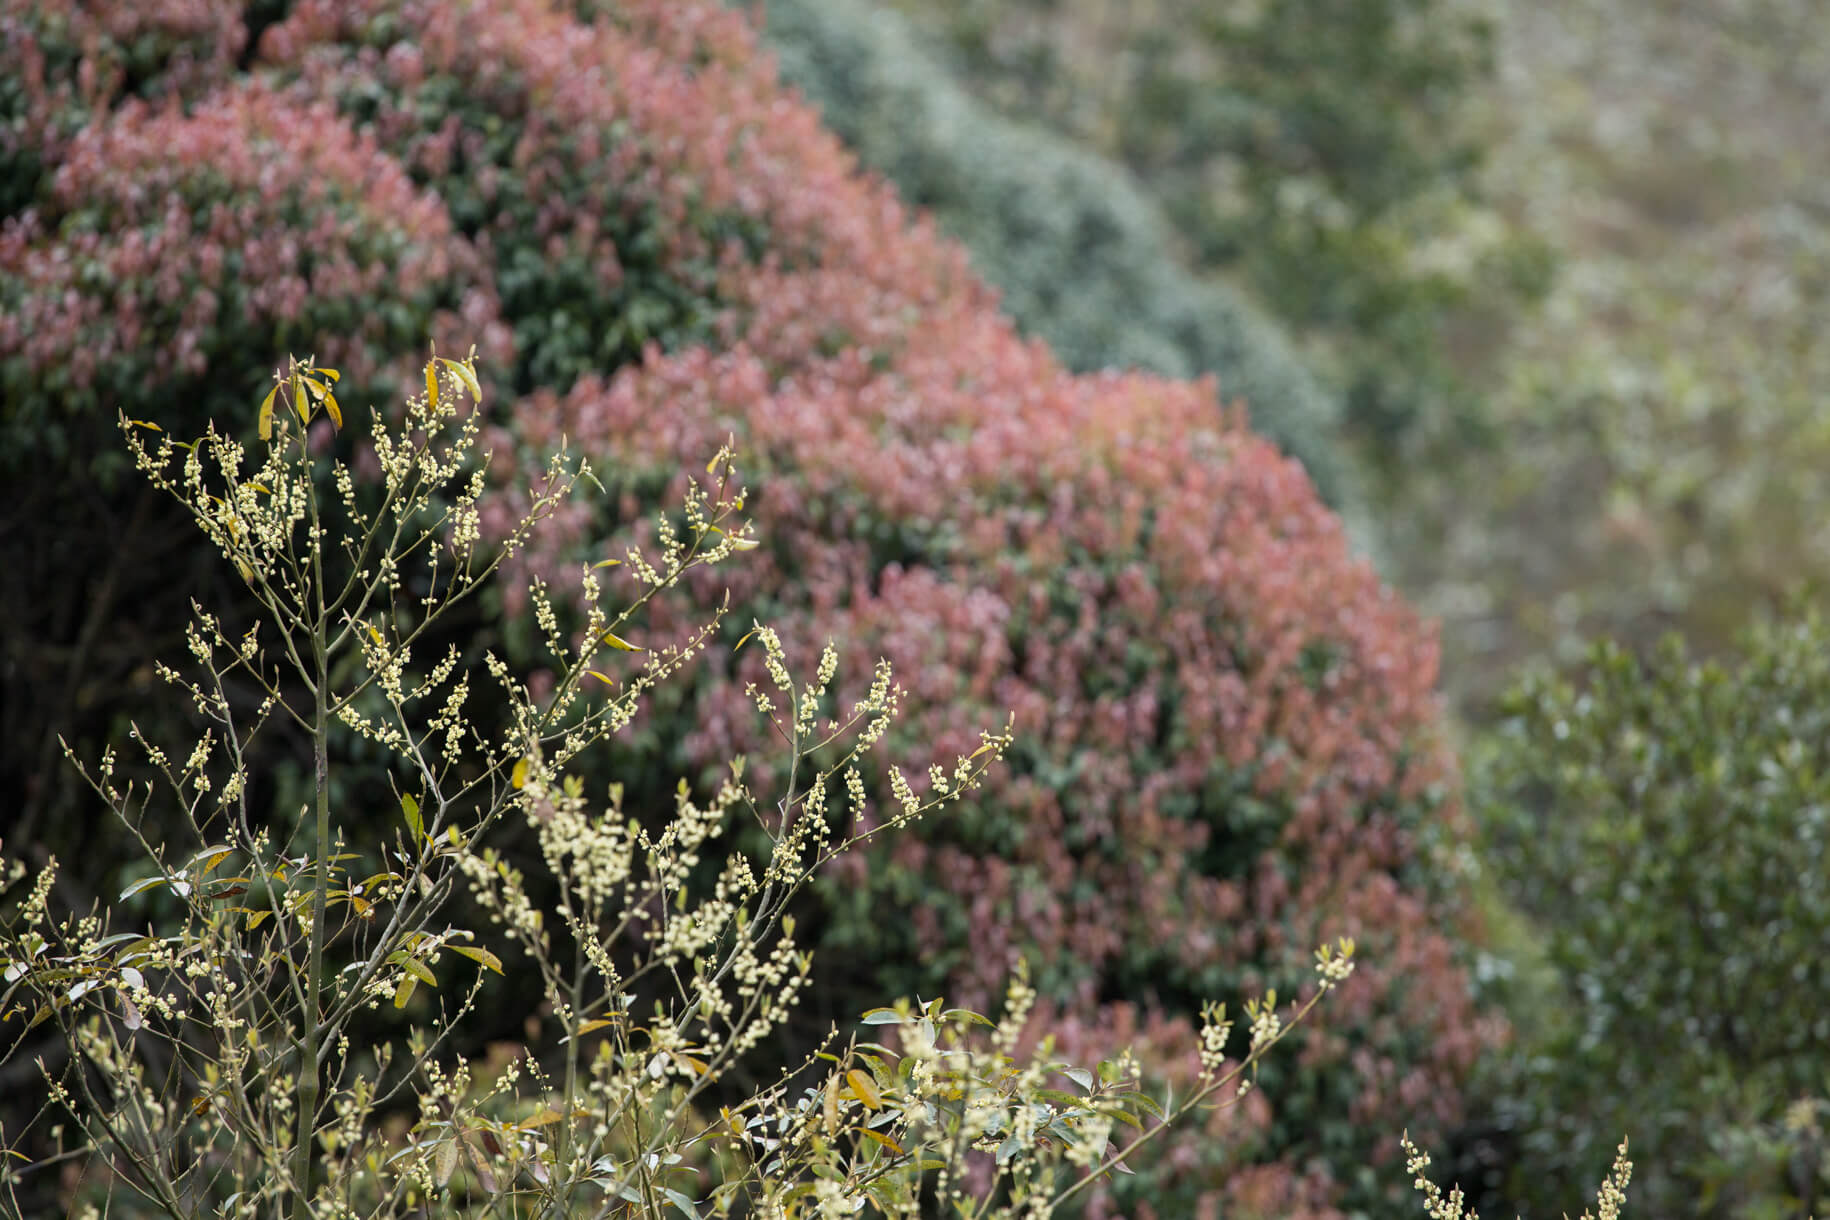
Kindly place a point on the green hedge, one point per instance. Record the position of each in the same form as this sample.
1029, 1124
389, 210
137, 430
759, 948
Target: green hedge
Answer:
1667, 823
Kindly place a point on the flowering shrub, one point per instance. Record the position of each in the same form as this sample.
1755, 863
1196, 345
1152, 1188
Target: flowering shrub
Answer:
210, 1059
1226, 744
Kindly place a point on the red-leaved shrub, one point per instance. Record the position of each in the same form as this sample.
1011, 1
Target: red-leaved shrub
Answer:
1228, 745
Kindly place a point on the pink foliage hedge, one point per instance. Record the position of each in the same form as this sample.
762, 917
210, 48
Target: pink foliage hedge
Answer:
1229, 745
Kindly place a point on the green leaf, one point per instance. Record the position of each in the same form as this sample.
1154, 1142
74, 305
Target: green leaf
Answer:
266, 415
1079, 1076
885, 1140
143, 884
865, 1089
481, 956
619, 643
410, 806
413, 966
207, 859
463, 372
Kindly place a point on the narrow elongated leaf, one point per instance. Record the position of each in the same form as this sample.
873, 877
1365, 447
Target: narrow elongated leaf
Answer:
464, 373
410, 807
865, 1089
481, 956
266, 415
431, 384
209, 858
619, 643
413, 966
881, 1138
591, 1027
143, 884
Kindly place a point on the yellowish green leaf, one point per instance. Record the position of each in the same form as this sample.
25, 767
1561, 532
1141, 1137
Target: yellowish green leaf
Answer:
465, 373
591, 1027
865, 1089
881, 1138
518, 778
414, 967
619, 643
481, 956
266, 416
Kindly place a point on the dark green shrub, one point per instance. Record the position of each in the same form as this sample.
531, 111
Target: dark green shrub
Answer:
1667, 824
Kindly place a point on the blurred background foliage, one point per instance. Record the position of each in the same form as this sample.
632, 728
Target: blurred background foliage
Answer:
1664, 824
